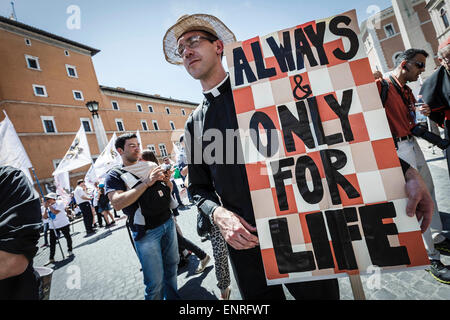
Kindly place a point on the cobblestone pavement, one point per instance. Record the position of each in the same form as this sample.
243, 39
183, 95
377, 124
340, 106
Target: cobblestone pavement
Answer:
105, 267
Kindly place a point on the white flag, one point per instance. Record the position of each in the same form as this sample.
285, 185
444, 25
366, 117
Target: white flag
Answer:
91, 178
138, 134
78, 154
12, 152
108, 159
62, 183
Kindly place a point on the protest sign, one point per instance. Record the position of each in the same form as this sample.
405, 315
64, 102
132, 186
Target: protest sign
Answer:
326, 184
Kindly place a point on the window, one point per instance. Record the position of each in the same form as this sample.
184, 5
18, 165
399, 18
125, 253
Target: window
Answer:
155, 125
444, 18
86, 124
71, 71
77, 95
144, 125
49, 124
119, 124
66, 53
163, 150
115, 105
167, 110
56, 163
39, 90
389, 30
183, 112
139, 107
152, 148
172, 125
28, 42
396, 58
150, 108
32, 62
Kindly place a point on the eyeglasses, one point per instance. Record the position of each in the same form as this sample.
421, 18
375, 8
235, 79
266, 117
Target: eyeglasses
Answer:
192, 43
420, 65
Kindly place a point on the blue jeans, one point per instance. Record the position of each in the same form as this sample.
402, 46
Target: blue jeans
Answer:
158, 254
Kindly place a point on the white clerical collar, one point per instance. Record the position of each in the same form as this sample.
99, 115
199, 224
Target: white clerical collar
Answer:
215, 91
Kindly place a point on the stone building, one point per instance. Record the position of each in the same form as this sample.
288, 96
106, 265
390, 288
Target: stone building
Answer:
45, 82
407, 24
440, 15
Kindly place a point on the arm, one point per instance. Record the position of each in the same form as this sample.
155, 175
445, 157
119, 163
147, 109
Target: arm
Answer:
121, 199
53, 210
235, 230
12, 265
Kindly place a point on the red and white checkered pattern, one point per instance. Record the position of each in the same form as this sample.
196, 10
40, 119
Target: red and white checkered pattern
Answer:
373, 167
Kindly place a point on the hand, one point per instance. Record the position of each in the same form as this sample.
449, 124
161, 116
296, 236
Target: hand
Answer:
168, 175
425, 110
420, 202
235, 230
157, 174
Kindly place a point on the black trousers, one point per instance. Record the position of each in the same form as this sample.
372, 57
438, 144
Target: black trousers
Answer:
184, 243
85, 208
66, 232
248, 270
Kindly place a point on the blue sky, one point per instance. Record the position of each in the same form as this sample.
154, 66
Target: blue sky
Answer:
129, 33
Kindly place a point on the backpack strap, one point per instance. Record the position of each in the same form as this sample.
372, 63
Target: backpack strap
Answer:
384, 91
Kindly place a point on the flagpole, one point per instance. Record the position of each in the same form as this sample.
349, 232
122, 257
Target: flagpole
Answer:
51, 220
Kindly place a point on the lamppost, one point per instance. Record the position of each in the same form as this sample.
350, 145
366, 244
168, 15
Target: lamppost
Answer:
100, 133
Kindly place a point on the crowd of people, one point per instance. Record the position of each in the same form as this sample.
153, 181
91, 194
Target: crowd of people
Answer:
147, 192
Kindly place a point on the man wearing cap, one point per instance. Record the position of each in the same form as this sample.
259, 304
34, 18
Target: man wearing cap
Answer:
197, 41
59, 222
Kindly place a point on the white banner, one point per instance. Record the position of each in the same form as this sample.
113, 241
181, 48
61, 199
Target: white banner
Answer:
108, 159
90, 177
78, 154
12, 152
138, 134
62, 183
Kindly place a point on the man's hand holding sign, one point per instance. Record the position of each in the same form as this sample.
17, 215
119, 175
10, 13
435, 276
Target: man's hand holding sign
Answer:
294, 144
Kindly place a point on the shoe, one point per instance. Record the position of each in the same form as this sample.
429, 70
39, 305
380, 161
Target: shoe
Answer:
50, 261
225, 294
113, 222
203, 264
70, 253
439, 271
443, 247
44, 245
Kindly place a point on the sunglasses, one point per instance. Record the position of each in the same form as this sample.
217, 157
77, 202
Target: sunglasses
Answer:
420, 65
191, 43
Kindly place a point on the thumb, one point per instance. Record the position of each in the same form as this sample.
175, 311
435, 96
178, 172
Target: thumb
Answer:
247, 226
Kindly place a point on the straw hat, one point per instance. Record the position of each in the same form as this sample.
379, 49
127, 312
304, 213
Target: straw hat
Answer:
194, 22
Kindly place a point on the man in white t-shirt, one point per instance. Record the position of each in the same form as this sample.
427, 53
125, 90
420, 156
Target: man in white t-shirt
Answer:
83, 201
55, 211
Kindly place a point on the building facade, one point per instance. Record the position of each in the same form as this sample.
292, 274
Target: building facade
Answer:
45, 82
391, 31
440, 15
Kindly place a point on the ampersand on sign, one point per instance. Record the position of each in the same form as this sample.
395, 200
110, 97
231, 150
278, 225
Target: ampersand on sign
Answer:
298, 79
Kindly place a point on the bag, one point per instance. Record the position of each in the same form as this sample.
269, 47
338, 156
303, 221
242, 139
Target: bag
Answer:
204, 225
177, 174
